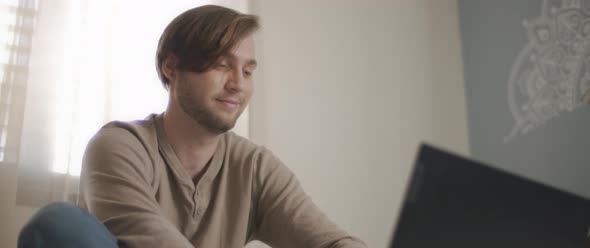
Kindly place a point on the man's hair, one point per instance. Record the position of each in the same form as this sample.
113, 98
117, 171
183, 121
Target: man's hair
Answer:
199, 37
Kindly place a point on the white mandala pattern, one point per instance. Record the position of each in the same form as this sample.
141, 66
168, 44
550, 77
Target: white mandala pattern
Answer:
552, 72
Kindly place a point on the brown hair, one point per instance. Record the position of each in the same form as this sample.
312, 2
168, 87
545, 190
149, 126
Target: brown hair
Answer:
200, 36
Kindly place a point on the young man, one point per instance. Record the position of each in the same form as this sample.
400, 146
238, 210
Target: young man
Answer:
180, 179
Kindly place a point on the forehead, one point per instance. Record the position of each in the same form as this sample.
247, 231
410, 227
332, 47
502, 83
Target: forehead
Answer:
243, 50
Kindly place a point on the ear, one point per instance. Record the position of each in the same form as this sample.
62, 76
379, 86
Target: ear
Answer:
169, 67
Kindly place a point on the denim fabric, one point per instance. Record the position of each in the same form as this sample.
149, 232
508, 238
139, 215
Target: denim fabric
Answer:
65, 225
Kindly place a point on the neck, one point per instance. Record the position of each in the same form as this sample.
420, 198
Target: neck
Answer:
193, 144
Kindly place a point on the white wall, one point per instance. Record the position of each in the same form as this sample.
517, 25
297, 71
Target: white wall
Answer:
347, 90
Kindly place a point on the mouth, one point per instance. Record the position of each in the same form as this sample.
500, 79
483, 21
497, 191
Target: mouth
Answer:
229, 103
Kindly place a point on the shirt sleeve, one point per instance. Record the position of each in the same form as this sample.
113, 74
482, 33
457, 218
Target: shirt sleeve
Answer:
286, 216
115, 187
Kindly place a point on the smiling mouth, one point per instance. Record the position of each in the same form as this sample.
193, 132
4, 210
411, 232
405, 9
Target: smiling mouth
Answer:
229, 103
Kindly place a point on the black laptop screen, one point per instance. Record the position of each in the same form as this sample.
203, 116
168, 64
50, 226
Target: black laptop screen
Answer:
458, 203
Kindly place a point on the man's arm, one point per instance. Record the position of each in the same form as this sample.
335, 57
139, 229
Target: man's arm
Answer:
115, 187
285, 214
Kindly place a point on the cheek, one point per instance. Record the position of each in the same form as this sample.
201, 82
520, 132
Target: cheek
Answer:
191, 89
207, 88
194, 92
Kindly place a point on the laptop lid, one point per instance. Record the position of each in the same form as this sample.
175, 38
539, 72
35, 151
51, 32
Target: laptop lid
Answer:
455, 202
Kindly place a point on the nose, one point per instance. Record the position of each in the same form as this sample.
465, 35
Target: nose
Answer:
235, 80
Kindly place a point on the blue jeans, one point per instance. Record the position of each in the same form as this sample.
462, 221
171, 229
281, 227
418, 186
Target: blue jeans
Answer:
65, 225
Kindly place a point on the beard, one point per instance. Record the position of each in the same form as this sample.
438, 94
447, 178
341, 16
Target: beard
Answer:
203, 115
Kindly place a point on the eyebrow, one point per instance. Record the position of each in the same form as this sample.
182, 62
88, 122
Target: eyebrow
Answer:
249, 62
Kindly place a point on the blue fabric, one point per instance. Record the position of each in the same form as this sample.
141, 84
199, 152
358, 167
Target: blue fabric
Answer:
65, 225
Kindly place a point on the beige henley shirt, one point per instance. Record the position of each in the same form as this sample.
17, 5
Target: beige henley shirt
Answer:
133, 182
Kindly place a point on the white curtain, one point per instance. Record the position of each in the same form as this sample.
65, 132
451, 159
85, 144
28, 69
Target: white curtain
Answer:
81, 64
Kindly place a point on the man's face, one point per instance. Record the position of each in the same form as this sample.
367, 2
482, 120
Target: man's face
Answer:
216, 98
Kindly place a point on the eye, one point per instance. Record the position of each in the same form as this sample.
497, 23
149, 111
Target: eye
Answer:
248, 71
221, 65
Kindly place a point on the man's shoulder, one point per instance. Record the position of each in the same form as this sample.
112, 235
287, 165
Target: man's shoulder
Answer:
138, 133
239, 145
243, 150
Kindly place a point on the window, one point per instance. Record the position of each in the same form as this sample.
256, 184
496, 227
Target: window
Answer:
16, 27
87, 62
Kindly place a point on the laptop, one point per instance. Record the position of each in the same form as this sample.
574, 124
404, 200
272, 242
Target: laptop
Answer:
456, 202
